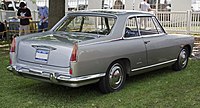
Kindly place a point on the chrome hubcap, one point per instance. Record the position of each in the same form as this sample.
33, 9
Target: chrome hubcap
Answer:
115, 76
183, 58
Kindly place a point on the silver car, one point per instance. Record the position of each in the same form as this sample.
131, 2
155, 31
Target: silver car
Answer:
99, 46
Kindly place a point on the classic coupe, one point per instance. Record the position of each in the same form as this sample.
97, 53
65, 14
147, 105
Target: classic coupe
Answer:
99, 46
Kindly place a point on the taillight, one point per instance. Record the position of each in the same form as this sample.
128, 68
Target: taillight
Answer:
73, 56
74, 53
70, 71
13, 45
12, 48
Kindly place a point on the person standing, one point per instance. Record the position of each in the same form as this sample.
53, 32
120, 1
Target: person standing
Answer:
118, 5
2, 30
24, 14
43, 24
144, 6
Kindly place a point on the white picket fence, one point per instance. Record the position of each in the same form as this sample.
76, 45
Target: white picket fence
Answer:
180, 22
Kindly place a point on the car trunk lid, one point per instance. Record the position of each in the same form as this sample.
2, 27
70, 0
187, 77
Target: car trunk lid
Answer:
53, 49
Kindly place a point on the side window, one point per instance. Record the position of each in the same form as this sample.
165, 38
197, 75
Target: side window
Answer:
160, 30
147, 26
131, 29
74, 24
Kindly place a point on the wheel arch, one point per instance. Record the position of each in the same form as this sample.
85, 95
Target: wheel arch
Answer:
189, 49
105, 85
125, 62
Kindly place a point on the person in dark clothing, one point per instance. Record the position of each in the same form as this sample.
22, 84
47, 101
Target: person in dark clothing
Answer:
43, 24
24, 14
2, 30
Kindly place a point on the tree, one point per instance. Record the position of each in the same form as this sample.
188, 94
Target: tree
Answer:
102, 5
56, 11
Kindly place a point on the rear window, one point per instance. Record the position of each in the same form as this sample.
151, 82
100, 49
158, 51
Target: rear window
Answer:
88, 24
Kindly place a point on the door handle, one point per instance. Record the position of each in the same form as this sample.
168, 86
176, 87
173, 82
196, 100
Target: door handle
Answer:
146, 42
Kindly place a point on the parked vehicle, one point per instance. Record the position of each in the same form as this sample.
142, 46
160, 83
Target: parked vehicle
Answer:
11, 5
99, 46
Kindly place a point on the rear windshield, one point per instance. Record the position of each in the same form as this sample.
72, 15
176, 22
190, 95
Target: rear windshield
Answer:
100, 25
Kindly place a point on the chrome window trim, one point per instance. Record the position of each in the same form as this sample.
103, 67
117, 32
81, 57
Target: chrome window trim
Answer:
153, 20
157, 24
123, 33
101, 42
57, 26
130, 38
146, 67
154, 35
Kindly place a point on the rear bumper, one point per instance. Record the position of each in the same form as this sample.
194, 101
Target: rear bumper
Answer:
56, 78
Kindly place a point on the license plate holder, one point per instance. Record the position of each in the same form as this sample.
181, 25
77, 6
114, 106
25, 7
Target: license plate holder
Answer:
42, 55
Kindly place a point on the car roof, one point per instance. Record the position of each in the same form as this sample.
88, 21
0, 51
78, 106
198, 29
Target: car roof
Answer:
114, 12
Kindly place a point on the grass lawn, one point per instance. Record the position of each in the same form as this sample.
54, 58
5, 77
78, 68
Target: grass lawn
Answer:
162, 88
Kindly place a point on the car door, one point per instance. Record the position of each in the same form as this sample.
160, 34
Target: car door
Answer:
160, 47
137, 49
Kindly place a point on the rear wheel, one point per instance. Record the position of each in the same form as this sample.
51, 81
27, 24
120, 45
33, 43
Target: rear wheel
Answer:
182, 60
114, 79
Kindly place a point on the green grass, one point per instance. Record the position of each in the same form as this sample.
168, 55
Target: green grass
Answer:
162, 88
4, 48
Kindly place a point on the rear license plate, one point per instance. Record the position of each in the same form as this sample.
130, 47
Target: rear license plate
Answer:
42, 55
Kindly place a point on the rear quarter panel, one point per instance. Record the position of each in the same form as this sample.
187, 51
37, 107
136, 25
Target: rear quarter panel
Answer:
183, 40
96, 58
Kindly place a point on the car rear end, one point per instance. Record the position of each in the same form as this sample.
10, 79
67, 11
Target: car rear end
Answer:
53, 56
47, 58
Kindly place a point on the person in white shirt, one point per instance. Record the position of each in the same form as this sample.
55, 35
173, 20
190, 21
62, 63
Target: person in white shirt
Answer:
144, 6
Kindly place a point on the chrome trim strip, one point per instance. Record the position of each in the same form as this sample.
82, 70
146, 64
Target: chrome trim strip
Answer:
82, 78
135, 37
54, 77
130, 38
153, 65
152, 35
105, 41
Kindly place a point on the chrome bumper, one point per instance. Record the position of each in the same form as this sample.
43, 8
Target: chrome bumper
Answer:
57, 78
